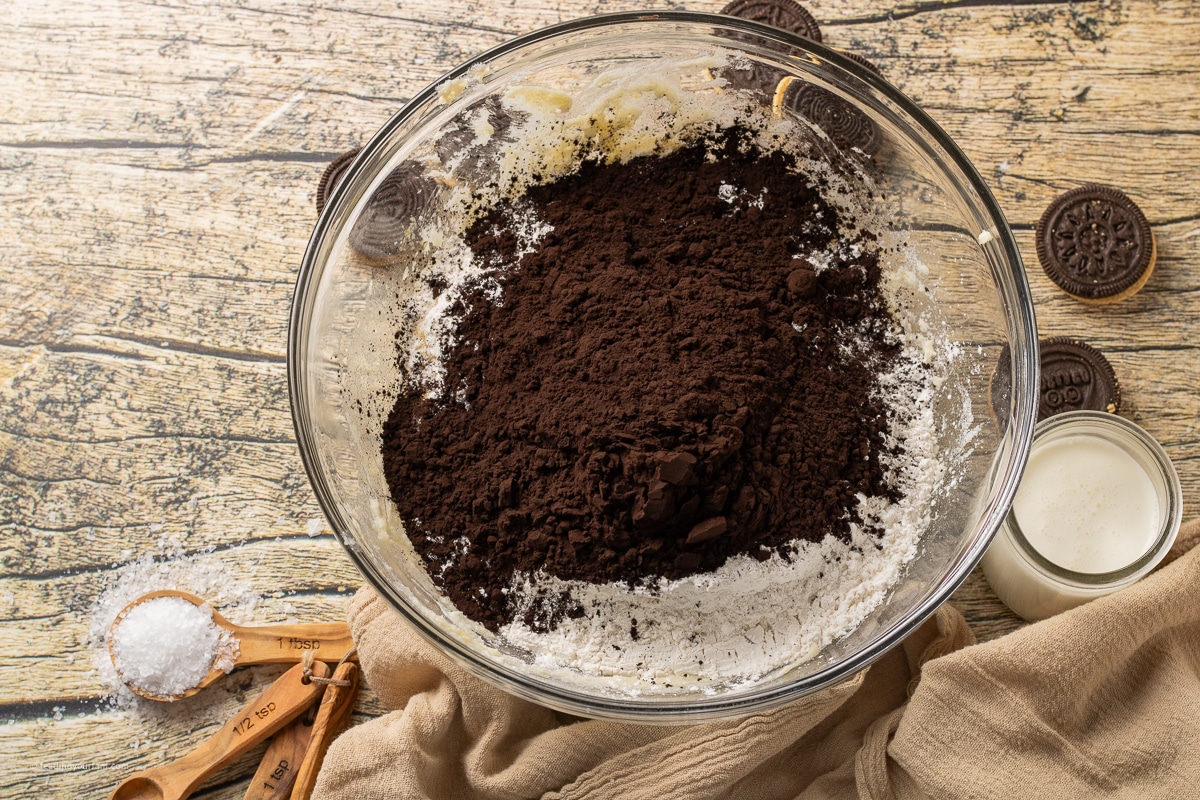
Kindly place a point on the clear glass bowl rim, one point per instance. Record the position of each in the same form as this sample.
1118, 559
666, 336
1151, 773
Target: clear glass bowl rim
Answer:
1019, 318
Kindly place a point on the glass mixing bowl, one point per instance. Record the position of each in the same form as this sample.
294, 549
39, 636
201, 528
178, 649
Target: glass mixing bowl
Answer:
342, 351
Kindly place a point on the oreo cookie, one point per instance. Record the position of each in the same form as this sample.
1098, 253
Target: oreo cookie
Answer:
1074, 376
381, 233
784, 14
846, 126
332, 176
1096, 244
855, 57
469, 147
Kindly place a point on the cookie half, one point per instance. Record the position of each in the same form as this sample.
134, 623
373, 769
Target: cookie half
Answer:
841, 121
1074, 376
332, 176
784, 14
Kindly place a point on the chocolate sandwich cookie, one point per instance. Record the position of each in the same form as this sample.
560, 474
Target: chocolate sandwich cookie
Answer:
469, 147
784, 14
855, 57
332, 176
382, 228
1096, 244
841, 121
382, 232
1074, 376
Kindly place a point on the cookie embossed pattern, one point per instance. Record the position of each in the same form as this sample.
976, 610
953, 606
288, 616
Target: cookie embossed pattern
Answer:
1096, 244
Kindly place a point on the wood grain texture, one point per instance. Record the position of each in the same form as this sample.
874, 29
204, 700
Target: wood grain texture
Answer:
158, 165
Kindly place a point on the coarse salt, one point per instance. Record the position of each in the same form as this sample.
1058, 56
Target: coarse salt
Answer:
166, 645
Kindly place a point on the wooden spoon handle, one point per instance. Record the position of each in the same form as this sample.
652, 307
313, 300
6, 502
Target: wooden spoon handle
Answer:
277, 770
282, 644
283, 701
332, 717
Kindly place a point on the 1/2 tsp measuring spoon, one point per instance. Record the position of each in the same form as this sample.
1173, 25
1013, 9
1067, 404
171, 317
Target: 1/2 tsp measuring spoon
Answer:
283, 701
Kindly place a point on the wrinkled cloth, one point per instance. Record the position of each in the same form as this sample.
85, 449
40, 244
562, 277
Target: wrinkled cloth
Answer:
1101, 701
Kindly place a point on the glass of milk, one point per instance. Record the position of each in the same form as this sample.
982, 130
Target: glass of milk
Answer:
1098, 507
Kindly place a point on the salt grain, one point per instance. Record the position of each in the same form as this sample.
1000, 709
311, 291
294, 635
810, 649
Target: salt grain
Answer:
166, 645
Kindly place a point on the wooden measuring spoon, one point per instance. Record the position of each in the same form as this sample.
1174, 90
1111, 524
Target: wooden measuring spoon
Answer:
283, 701
259, 644
332, 717
277, 770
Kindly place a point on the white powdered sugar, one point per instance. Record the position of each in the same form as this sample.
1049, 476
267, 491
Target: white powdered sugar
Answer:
748, 618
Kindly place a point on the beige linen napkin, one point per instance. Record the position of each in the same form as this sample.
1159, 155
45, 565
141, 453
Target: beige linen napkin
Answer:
1102, 701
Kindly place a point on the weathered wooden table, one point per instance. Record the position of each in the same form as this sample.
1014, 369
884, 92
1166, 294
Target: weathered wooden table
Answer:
158, 164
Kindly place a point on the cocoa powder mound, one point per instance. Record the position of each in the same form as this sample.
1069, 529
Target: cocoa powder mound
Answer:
661, 385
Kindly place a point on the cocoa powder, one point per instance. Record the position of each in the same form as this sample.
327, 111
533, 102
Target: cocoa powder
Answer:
662, 383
